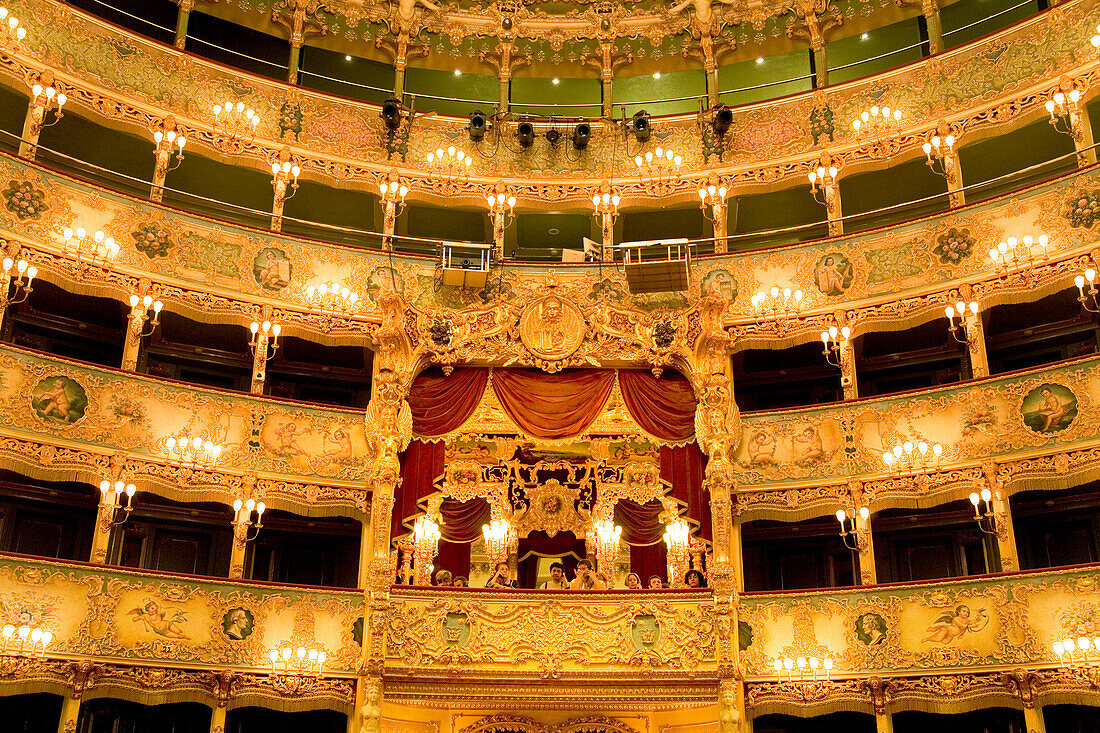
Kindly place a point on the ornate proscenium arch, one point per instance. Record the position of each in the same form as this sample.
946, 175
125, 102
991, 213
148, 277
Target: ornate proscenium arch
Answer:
507, 723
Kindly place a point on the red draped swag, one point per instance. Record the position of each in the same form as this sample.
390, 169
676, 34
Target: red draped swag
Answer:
553, 405
563, 545
645, 536
462, 523
440, 404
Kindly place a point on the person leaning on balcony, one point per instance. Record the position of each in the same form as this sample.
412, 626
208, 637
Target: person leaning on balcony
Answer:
443, 577
655, 582
460, 582
695, 579
587, 579
557, 578
633, 581
501, 577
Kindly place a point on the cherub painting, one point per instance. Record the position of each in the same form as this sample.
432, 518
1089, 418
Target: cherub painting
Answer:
338, 445
952, 625
761, 449
1049, 408
272, 269
286, 440
808, 446
833, 274
161, 621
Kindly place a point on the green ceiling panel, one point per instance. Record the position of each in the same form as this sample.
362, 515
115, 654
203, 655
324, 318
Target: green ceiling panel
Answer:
966, 20
736, 81
463, 93
645, 92
317, 63
861, 55
84, 140
453, 225
567, 95
554, 230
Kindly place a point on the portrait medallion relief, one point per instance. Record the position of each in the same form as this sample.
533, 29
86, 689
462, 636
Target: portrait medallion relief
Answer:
551, 328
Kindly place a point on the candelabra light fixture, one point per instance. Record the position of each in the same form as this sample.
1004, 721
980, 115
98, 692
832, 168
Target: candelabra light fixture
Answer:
777, 304
97, 250
331, 299
983, 511
300, 661
449, 163
393, 191
1087, 298
607, 535
502, 204
168, 145
243, 523
877, 122
498, 539
937, 150
677, 539
114, 497
13, 31
1095, 40
959, 310
849, 532
710, 196
48, 102
1017, 254
913, 457
607, 203
235, 123
659, 163
285, 175
24, 641
822, 178
426, 536
191, 451
264, 334
1061, 106
803, 669
832, 342
1078, 652
139, 308
21, 281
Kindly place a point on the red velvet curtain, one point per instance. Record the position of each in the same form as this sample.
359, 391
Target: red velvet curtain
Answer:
645, 535
440, 404
538, 544
553, 405
663, 406
683, 468
461, 525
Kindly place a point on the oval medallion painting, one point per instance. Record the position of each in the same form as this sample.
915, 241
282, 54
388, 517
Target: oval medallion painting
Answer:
59, 400
1049, 408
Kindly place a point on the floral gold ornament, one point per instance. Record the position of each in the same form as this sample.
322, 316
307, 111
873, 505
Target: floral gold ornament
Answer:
24, 200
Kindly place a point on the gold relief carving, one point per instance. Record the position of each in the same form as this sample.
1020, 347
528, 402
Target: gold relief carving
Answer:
523, 724
552, 329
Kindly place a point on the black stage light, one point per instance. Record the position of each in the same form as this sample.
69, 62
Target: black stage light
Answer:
478, 125
553, 136
391, 113
723, 118
525, 134
640, 125
582, 133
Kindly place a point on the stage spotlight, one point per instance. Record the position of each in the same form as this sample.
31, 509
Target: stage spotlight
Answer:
525, 134
553, 136
391, 113
582, 133
722, 119
479, 124
640, 126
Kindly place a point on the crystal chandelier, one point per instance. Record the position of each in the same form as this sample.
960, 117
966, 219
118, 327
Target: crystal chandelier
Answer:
498, 539
607, 545
426, 536
677, 537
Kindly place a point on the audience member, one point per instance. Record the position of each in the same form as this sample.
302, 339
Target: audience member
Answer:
655, 582
501, 577
695, 579
587, 579
633, 581
442, 577
557, 578
460, 582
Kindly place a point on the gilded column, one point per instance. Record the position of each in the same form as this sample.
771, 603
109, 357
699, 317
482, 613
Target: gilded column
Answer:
45, 98
848, 380
169, 140
816, 18
1002, 518
299, 24
79, 675
366, 548
135, 329
217, 720
1021, 682
182, 19
867, 572
284, 177
930, 9
975, 338
606, 60
884, 723
105, 513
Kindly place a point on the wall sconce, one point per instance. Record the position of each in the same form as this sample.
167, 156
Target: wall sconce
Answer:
821, 179
113, 497
832, 344
169, 143
21, 281
960, 310
877, 123
300, 661
331, 298
1095, 40
261, 346
937, 150
607, 204
193, 452
139, 309
777, 304
501, 205
802, 669
1061, 107
1085, 297
849, 533
233, 125
909, 457
983, 511
1013, 254
607, 535
712, 198
1076, 653
13, 31
677, 539
98, 250
449, 163
24, 641
242, 520
660, 163
48, 102
285, 175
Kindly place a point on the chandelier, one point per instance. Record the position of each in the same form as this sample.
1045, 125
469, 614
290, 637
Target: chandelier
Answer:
21, 281
910, 457
877, 122
1082, 651
331, 298
426, 536
234, 123
809, 669
776, 303
24, 641
113, 497
13, 31
300, 661
498, 539
677, 538
97, 250
1013, 254
607, 545
191, 451
660, 163
449, 163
